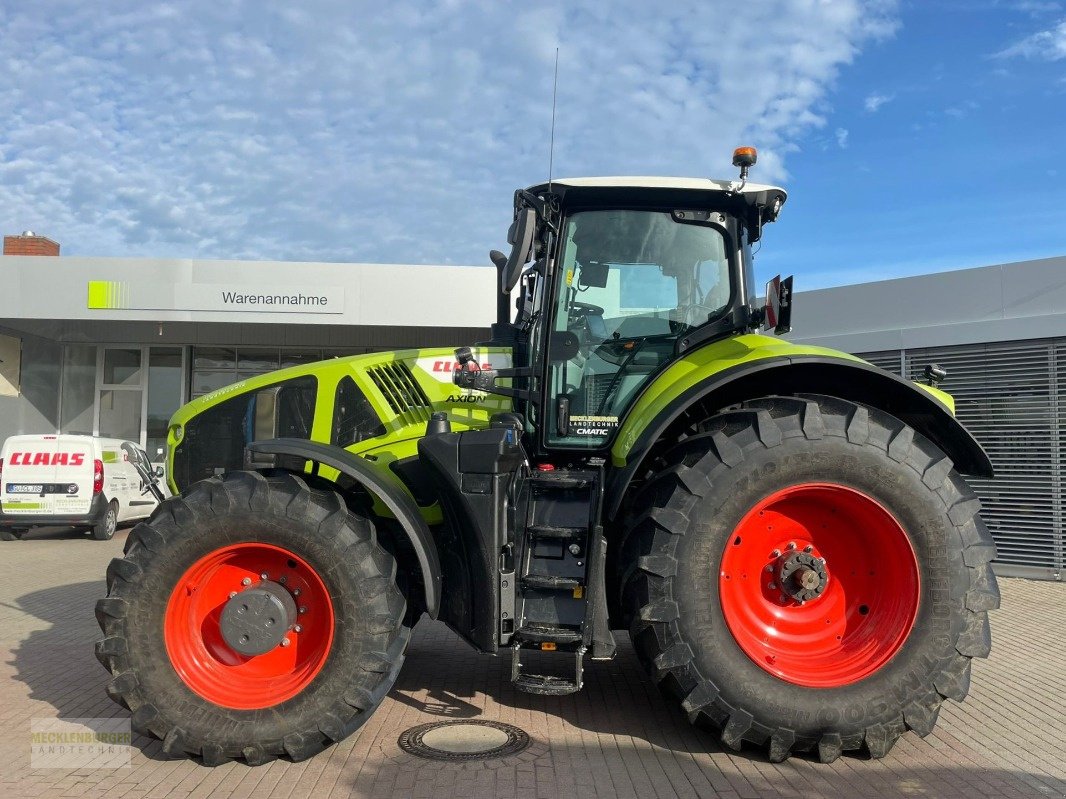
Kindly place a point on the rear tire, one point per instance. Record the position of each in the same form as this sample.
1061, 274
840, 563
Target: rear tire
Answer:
104, 530
701, 615
338, 675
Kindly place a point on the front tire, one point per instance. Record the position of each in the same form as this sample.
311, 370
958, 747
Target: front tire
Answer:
177, 665
874, 518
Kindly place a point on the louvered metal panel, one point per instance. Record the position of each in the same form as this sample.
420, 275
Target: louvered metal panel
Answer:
1012, 397
890, 360
401, 391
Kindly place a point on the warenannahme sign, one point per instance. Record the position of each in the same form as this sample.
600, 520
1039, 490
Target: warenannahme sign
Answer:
135, 296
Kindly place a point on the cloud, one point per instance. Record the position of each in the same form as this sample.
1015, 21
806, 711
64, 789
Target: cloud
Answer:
1036, 7
963, 109
842, 138
351, 131
1049, 45
874, 102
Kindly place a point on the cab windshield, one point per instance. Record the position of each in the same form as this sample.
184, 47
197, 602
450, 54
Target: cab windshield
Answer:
632, 283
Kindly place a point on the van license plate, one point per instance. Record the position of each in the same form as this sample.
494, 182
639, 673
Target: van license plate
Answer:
24, 488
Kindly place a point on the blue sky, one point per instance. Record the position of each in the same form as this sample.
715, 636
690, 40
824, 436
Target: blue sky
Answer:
954, 150
912, 136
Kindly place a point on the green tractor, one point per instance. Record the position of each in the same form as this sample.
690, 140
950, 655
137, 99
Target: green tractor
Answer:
784, 530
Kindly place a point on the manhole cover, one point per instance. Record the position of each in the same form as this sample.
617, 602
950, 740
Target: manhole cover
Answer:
463, 740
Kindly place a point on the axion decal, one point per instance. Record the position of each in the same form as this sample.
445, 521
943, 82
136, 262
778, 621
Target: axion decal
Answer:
592, 425
478, 397
47, 459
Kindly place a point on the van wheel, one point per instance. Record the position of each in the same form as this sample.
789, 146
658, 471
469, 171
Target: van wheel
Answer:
104, 530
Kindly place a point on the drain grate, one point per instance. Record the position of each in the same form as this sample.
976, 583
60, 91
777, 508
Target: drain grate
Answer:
463, 740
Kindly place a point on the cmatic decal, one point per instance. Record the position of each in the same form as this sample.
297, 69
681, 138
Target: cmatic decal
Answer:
47, 459
592, 425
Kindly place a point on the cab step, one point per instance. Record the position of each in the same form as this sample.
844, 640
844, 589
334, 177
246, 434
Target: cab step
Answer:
567, 533
549, 582
539, 633
557, 479
546, 685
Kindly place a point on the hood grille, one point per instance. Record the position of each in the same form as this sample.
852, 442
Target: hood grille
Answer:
401, 391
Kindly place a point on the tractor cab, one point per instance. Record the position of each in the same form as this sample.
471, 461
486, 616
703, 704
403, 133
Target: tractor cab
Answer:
619, 277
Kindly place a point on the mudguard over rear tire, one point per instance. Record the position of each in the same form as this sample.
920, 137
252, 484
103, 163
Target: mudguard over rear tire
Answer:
723, 626
345, 639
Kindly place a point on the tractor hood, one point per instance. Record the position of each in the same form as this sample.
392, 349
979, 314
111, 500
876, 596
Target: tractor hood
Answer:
364, 403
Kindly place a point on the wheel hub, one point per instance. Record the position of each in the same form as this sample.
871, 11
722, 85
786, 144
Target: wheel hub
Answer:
256, 620
802, 576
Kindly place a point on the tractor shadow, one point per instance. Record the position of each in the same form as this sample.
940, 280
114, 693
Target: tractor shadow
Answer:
618, 699
57, 664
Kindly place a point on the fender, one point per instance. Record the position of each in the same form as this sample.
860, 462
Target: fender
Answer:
401, 505
840, 376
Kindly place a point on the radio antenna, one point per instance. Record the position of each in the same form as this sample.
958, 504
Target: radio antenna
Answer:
551, 145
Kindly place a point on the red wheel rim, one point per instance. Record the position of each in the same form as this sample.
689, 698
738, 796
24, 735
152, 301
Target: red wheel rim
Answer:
201, 656
869, 585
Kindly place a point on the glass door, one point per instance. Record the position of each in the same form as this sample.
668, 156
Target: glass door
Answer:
138, 389
120, 376
166, 390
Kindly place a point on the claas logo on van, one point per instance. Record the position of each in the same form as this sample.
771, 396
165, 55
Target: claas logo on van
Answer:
47, 459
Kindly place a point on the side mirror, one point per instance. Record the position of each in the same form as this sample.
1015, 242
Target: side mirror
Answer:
777, 313
520, 237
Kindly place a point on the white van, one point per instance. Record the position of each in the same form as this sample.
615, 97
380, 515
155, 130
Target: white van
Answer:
80, 481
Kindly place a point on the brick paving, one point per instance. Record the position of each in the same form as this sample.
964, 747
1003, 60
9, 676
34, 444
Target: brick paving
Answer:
617, 738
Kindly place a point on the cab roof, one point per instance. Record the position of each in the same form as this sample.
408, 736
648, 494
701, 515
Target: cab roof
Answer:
756, 203
651, 182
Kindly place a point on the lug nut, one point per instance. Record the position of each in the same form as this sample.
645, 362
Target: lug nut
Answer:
296, 592
772, 586
232, 594
283, 579
769, 567
246, 581
791, 545
298, 628
285, 642
776, 553
264, 576
808, 548
303, 609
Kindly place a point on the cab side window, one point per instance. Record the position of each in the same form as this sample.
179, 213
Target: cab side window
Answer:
354, 418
